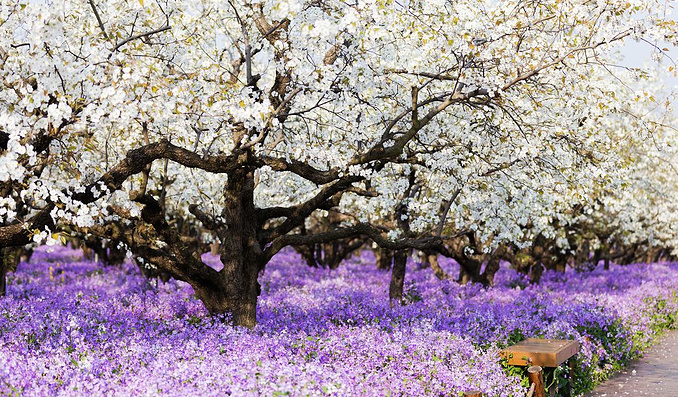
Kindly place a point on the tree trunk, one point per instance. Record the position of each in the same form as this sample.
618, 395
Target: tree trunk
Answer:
561, 265
432, 259
4, 266
597, 255
244, 303
214, 248
536, 270
307, 253
238, 288
469, 270
464, 277
491, 269
229, 297
657, 255
395, 290
384, 258
116, 253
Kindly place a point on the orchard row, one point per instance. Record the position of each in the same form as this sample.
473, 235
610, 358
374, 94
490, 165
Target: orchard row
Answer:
474, 130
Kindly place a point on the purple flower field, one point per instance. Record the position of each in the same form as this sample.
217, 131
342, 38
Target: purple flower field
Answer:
71, 327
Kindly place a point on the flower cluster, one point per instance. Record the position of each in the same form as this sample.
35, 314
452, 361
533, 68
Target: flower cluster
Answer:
72, 327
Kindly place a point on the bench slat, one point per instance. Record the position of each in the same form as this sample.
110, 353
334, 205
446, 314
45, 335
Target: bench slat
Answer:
542, 352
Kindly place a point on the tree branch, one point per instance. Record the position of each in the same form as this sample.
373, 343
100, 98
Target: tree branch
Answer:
139, 36
190, 268
327, 198
302, 169
21, 233
446, 210
208, 221
375, 234
137, 159
99, 21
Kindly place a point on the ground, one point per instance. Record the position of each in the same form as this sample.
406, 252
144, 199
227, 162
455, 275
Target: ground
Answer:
656, 374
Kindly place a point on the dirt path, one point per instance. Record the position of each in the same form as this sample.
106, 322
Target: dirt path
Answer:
656, 374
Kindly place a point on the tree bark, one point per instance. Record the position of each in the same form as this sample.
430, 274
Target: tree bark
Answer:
491, 269
395, 290
307, 253
4, 266
238, 287
9, 261
561, 265
214, 248
432, 259
225, 297
384, 258
469, 270
536, 271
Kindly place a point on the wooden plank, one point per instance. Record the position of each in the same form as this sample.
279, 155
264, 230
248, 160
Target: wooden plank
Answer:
542, 352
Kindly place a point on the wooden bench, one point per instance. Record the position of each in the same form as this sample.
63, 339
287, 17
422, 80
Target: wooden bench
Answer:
544, 353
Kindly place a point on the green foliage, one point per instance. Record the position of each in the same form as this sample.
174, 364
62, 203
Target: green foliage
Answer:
195, 320
664, 313
411, 294
515, 371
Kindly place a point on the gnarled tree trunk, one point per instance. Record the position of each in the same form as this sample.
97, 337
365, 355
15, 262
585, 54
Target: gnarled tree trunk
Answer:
237, 297
235, 288
536, 271
469, 270
241, 254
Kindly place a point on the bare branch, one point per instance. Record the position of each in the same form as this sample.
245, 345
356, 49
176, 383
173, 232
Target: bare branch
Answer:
561, 58
500, 167
362, 192
248, 47
434, 76
284, 23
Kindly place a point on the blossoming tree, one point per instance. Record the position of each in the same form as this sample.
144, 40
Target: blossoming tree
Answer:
263, 113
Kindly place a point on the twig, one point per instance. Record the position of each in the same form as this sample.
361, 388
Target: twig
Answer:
273, 29
99, 21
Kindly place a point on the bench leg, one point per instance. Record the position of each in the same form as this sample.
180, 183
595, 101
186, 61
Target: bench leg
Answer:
536, 375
